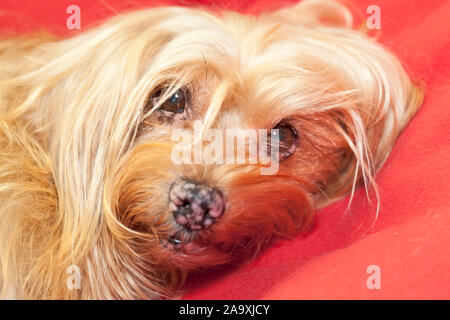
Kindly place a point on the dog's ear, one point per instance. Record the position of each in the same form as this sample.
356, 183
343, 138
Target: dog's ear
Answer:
313, 13
68, 109
368, 136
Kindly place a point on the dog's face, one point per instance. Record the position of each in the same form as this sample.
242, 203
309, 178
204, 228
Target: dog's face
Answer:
236, 73
114, 96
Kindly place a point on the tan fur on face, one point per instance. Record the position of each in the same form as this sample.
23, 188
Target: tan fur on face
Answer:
85, 169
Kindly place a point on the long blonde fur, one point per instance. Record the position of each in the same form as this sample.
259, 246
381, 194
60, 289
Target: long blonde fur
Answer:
70, 111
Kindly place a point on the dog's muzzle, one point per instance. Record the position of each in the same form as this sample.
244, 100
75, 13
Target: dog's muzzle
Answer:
195, 206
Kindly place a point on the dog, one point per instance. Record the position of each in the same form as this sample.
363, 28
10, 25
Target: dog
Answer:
92, 203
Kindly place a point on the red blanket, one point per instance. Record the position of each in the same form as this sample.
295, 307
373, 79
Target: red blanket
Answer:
409, 244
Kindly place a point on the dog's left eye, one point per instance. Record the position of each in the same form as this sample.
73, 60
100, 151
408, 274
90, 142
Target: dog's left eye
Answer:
287, 137
176, 103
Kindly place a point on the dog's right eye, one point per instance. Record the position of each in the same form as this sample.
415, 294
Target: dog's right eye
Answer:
176, 103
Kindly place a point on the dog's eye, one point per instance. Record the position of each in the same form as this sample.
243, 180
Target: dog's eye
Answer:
287, 136
176, 103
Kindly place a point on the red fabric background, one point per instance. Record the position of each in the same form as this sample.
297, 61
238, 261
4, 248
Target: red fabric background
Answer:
410, 241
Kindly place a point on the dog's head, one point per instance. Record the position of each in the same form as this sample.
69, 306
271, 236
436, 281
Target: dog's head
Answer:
108, 101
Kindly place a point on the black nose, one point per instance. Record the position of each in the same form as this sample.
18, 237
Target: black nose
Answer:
195, 206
